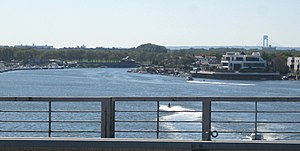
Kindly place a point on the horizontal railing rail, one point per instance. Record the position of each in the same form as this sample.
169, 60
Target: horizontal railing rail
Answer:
204, 117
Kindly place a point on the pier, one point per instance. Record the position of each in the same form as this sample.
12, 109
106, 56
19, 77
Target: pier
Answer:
111, 135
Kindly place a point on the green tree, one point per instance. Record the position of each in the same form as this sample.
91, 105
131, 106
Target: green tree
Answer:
152, 48
6, 54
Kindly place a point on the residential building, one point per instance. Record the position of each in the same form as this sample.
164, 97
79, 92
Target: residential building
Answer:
206, 62
293, 64
236, 61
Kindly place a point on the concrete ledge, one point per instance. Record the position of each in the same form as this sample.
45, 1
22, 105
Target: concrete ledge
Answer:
100, 144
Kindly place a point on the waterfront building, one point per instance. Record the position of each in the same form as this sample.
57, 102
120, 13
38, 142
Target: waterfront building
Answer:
293, 64
206, 62
236, 61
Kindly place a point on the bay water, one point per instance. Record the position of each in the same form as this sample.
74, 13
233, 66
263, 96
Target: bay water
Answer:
118, 82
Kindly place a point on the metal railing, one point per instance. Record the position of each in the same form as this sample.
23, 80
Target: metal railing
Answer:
150, 117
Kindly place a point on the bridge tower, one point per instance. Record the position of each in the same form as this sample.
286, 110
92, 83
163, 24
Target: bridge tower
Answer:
265, 41
266, 46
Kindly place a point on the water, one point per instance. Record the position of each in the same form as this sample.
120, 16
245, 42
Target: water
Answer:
118, 82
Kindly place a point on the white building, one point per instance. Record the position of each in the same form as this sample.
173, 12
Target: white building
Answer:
293, 63
235, 61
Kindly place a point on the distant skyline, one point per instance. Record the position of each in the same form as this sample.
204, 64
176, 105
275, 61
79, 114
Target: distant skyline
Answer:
129, 23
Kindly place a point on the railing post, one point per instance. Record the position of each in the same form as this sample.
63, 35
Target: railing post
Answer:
49, 118
157, 121
206, 120
108, 119
255, 124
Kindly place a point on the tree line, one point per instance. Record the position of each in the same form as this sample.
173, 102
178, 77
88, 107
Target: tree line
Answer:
145, 54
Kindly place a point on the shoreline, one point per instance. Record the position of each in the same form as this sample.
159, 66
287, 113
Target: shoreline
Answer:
30, 68
237, 75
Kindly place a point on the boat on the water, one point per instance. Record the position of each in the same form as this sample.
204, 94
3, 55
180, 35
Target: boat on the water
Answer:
189, 78
254, 136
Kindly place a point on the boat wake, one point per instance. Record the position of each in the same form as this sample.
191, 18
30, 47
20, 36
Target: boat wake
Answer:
180, 115
173, 114
219, 83
173, 108
267, 137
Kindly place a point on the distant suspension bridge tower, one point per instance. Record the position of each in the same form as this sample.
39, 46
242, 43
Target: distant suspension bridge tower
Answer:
265, 41
266, 45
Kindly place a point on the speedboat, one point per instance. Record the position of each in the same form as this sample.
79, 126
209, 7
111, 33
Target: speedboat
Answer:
189, 78
254, 136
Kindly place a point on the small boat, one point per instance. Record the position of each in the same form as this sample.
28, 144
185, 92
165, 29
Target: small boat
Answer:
189, 78
254, 136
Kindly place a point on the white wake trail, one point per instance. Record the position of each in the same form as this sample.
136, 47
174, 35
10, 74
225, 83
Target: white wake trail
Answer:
219, 83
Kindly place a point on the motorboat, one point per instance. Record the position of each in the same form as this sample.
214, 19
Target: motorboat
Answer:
189, 78
254, 136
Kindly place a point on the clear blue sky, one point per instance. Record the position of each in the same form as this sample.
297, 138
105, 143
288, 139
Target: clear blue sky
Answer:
129, 23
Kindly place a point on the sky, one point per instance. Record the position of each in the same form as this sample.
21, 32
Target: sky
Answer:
129, 23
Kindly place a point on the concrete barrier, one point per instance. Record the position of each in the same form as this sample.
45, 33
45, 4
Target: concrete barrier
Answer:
78, 144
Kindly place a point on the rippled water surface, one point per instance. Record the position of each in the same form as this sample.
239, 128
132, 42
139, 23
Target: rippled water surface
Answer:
118, 82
